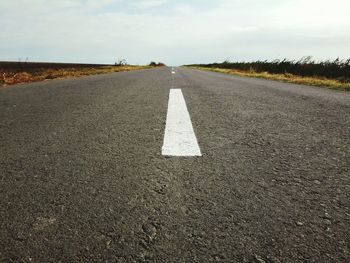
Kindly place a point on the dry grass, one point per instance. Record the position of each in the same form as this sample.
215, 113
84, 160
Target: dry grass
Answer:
10, 78
290, 78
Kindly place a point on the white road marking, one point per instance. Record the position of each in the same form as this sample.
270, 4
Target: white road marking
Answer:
179, 137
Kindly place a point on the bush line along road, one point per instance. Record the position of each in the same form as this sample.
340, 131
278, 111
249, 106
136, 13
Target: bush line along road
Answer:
12, 73
84, 179
332, 74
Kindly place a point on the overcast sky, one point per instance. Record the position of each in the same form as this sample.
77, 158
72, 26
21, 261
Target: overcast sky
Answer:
173, 31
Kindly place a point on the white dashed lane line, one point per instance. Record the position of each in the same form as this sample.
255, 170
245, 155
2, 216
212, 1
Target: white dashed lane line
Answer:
179, 137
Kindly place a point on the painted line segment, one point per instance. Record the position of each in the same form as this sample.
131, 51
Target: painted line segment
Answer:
179, 137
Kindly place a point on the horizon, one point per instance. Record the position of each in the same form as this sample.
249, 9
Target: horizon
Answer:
175, 33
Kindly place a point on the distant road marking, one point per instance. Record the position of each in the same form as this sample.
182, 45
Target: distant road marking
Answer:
179, 137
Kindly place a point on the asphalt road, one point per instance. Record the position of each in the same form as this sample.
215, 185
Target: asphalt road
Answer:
83, 178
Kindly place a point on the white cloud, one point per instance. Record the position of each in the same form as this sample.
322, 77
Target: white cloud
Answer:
149, 3
175, 33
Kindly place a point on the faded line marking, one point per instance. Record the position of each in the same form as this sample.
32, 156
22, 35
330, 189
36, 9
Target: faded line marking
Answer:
179, 137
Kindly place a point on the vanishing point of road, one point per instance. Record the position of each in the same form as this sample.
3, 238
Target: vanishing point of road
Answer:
183, 166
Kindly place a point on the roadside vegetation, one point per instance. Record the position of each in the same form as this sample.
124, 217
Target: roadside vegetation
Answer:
10, 75
332, 74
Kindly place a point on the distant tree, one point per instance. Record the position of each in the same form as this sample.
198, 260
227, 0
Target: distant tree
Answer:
155, 64
120, 62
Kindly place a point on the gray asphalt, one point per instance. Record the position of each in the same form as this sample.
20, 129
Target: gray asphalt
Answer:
82, 178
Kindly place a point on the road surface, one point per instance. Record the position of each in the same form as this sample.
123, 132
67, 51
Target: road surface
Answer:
83, 177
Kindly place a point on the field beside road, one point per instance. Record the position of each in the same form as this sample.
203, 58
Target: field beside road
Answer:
330, 74
16, 72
